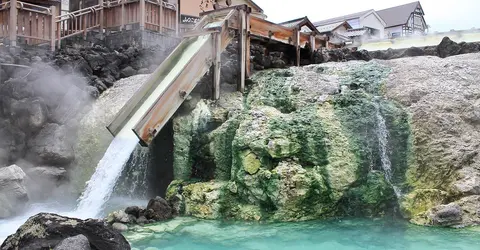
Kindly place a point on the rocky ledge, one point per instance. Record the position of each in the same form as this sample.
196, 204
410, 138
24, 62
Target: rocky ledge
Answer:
335, 140
51, 231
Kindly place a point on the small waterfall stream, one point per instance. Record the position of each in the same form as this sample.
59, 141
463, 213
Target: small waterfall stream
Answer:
382, 134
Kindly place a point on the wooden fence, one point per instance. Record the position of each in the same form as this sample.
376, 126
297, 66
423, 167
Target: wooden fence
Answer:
39, 24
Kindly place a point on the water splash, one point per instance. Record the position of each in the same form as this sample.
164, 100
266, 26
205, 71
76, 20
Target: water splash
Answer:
133, 182
382, 135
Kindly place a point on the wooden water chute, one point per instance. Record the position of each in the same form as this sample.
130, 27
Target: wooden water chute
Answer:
218, 27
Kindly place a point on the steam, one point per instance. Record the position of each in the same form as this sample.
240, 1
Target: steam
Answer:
419, 40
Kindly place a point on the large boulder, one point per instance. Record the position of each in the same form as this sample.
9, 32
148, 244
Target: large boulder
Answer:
79, 242
43, 181
29, 114
52, 146
448, 48
17, 89
45, 230
13, 193
158, 209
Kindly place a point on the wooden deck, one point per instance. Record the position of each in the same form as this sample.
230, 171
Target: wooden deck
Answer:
38, 24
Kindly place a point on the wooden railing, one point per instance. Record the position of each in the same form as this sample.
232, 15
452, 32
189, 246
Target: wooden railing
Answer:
39, 24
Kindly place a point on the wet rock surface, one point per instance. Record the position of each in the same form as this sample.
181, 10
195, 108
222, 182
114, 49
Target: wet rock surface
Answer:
13, 193
45, 231
79, 242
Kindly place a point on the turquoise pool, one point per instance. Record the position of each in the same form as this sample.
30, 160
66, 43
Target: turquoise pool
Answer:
187, 233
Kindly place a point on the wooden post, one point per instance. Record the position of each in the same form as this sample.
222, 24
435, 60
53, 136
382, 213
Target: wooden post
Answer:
122, 15
247, 47
142, 14
297, 45
161, 17
177, 19
241, 49
84, 21
53, 18
101, 21
59, 33
217, 42
312, 45
12, 23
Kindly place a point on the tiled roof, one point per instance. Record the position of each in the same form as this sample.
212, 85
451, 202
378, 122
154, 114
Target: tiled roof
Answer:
341, 18
398, 15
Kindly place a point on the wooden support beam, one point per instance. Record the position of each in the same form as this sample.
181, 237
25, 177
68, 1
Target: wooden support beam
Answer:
177, 17
247, 46
312, 46
241, 49
217, 65
84, 27
12, 23
160, 29
122, 15
100, 2
297, 45
59, 34
53, 18
142, 14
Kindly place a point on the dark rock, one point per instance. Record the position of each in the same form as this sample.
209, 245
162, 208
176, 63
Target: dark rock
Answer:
413, 51
448, 48
469, 47
17, 89
48, 173
45, 230
12, 142
361, 55
446, 215
134, 210
51, 146
96, 61
29, 114
127, 72
79, 242
278, 63
158, 209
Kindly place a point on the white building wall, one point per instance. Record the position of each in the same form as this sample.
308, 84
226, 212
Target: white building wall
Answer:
372, 21
390, 31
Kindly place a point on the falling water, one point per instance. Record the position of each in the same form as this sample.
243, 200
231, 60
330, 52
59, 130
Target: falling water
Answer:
382, 134
100, 187
133, 182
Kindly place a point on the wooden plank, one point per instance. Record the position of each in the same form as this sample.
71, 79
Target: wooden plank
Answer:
241, 49
13, 23
247, 46
102, 17
142, 14
263, 28
161, 17
217, 64
52, 27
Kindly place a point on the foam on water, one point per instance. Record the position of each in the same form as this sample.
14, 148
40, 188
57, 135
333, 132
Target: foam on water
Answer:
100, 186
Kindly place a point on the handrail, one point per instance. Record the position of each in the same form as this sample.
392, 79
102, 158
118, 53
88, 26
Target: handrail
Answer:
25, 6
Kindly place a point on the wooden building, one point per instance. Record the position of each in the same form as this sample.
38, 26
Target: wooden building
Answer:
404, 20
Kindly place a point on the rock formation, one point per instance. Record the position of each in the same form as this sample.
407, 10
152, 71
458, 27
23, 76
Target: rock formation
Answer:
305, 143
50, 231
13, 193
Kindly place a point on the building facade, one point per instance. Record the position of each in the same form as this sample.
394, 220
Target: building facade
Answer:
404, 20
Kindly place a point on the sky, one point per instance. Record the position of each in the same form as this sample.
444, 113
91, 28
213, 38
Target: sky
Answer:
440, 15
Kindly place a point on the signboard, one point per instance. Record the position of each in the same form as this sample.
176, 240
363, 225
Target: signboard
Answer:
186, 19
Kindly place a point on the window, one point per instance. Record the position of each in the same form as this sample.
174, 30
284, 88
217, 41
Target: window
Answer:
396, 34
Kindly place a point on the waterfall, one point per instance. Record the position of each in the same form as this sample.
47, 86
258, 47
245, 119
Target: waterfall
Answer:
100, 186
133, 182
382, 135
